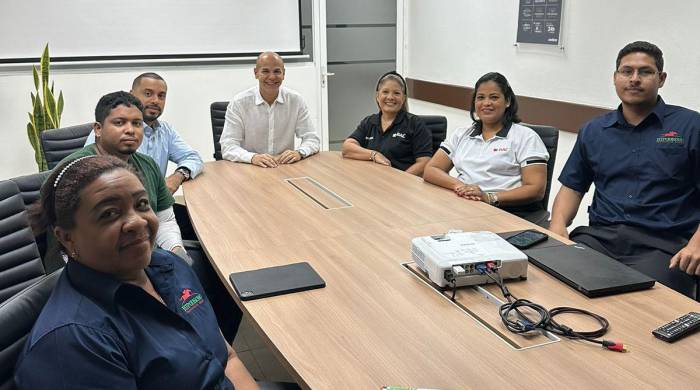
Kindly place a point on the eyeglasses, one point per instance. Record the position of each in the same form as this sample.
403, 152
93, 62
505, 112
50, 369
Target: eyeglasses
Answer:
644, 73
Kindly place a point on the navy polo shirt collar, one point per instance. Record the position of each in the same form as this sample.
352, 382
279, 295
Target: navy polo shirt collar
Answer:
103, 287
503, 133
377, 119
618, 119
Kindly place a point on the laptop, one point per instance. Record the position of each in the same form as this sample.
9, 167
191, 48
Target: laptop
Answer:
588, 271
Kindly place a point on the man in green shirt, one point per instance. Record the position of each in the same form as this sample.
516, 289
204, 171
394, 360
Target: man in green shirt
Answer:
119, 130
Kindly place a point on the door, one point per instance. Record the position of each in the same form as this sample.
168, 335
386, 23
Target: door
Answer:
361, 46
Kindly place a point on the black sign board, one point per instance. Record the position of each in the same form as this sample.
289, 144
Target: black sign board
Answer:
539, 21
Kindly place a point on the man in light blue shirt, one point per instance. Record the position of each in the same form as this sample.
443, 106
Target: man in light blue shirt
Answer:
160, 140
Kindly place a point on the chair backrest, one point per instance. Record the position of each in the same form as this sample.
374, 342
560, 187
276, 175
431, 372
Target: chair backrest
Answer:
218, 117
17, 316
20, 264
57, 144
550, 138
30, 187
438, 127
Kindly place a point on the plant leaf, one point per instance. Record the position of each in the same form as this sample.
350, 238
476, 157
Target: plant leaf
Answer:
36, 145
50, 109
35, 73
31, 134
59, 108
39, 116
45, 63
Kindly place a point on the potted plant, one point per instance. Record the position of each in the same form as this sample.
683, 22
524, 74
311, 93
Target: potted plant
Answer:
46, 109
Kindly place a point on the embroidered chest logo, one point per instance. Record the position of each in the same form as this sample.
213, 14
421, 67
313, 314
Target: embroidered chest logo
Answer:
189, 300
369, 138
670, 137
501, 149
400, 135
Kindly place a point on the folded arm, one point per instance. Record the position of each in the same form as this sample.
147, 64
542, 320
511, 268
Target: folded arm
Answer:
233, 135
168, 236
437, 172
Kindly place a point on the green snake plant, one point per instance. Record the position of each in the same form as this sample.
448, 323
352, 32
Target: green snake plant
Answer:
46, 109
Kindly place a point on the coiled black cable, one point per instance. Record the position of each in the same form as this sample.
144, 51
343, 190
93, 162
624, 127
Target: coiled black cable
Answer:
538, 317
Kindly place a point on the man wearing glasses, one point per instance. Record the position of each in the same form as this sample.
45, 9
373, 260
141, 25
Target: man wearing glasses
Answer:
644, 159
261, 122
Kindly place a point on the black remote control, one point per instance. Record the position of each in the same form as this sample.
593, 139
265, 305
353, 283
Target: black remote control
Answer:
678, 328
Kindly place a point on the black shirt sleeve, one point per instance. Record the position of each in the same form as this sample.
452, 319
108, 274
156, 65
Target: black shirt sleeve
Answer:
360, 134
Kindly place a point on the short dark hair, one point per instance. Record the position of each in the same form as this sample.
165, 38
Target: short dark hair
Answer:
60, 194
113, 100
147, 75
642, 47
511, 114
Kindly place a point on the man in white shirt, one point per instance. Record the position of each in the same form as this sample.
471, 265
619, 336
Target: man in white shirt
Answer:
262, 121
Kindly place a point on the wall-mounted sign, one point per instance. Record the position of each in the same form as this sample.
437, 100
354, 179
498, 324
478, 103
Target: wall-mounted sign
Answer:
539, 21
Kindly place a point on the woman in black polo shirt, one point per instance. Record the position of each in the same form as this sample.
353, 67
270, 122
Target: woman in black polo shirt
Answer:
497, 160
122, 315
392, 137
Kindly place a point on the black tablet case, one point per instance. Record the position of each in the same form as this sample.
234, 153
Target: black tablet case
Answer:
268, 282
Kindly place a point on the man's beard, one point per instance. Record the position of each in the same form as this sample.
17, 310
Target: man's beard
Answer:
150, 118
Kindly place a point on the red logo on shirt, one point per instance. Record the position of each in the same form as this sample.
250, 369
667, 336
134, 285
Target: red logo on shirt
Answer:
670, 134
186, 294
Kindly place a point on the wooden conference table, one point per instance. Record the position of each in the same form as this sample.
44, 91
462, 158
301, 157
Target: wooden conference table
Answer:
378, 324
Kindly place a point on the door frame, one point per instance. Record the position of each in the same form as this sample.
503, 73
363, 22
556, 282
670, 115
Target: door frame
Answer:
321, 67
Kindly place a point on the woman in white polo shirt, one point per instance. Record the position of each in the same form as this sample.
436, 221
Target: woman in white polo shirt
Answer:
497, 160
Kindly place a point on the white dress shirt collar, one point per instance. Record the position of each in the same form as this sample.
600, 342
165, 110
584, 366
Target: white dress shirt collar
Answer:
260, 100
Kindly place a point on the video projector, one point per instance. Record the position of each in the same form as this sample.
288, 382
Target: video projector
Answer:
459, 256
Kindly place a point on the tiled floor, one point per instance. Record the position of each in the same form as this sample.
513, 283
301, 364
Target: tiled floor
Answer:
259, 360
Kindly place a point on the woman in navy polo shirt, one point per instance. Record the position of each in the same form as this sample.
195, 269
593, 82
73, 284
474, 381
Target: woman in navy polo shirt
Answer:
392, 137
122, 315
497, 160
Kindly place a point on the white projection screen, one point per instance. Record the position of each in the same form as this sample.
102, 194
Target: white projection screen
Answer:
99, 30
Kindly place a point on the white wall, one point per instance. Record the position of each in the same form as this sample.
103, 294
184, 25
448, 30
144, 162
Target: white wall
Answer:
456, 41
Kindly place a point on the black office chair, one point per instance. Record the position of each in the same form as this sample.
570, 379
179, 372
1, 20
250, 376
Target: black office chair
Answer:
17, 316
20, 263
438, 127
550, 138
29, 187
218, 117
57, 144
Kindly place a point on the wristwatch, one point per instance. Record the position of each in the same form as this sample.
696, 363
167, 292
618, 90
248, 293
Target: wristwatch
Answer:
185, 172
303, 156
493, 198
